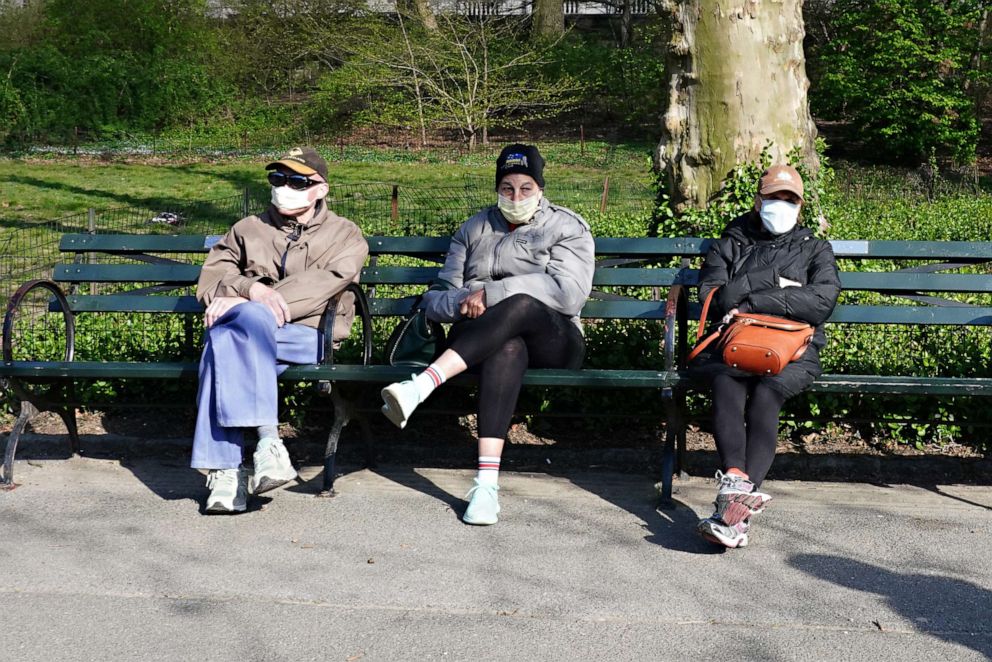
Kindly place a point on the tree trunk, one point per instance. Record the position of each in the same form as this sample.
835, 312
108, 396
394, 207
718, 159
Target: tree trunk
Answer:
737, 83
420, 10
548, 19
626, 22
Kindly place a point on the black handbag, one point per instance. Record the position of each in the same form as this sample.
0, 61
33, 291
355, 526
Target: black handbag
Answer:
416, 341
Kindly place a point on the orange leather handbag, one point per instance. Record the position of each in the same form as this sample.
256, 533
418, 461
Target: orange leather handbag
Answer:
761, 344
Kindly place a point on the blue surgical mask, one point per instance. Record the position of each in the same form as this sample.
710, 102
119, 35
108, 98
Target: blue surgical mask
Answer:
779, 216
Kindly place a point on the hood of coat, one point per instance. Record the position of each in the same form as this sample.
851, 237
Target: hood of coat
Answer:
748, 228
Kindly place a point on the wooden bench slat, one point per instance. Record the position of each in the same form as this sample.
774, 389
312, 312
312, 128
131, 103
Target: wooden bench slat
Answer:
930, 315
591, 378
605, 276
634, 247
126, 244
126, 273
895, 281
586, 377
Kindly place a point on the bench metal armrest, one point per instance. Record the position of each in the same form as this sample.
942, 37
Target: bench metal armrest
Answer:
676, 327
11, 313
327, 329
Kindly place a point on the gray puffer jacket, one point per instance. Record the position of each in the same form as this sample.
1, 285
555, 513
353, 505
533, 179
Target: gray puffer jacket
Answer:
552, 259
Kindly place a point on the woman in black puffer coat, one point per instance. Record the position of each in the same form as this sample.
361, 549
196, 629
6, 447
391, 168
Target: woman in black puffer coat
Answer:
762, 263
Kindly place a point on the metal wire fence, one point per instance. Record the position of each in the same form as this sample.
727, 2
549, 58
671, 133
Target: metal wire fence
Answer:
30, 249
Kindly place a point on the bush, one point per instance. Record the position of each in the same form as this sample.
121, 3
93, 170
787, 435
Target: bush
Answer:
901, 71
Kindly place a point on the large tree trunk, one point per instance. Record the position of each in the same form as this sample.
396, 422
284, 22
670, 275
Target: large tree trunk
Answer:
548, 19
420, 10
737, 82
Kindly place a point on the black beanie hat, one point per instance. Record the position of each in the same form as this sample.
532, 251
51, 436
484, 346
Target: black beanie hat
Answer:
524, 159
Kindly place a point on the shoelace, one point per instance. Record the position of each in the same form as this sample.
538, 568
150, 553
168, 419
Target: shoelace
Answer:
222, 478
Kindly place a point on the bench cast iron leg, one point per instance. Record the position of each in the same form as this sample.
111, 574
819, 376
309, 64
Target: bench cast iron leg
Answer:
69, 418
341, 418
28, 411
674, 400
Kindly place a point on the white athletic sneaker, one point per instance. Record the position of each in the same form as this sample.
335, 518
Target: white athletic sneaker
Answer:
228, 490
401, 400
272, 466
483, 505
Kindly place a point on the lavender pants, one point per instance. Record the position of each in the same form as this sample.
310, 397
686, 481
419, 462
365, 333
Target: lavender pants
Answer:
243, 356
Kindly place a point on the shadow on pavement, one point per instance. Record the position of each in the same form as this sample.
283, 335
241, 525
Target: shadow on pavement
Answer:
943, 607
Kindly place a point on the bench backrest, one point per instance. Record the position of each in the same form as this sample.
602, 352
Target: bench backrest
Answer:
624, 262
155, 271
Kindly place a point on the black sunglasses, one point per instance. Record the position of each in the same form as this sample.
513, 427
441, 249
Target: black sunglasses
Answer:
294, 181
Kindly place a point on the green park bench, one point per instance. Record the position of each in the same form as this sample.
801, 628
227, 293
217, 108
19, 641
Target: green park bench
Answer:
154, 281
145, 274
882, 293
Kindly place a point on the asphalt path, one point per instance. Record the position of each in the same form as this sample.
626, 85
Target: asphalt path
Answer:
111, 560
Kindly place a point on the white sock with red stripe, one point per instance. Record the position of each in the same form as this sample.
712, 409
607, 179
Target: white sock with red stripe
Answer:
488, 470
428, 380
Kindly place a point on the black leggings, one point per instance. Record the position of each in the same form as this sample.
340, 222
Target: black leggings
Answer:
516, 333
745, 424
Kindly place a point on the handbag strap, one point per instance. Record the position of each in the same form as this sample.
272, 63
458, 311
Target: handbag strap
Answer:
705, 313
702, 325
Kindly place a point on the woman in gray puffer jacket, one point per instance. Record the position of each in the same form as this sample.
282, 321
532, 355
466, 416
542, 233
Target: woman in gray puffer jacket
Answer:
762, 263
517, 276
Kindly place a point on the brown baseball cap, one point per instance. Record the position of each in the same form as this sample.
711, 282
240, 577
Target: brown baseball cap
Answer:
781, 178
304, 160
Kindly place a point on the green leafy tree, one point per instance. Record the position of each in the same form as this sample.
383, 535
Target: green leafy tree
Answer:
900, 71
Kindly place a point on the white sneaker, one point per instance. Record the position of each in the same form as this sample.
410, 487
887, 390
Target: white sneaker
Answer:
228, 490
483, 505
737, 499
401, 400
273, 467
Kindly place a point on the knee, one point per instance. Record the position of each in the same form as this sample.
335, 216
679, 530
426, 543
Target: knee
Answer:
511, 353
522, 303
250, 316
248, 321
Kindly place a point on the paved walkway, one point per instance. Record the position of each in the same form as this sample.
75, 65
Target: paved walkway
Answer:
105, 561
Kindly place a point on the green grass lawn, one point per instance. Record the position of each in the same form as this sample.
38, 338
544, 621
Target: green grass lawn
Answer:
39, 189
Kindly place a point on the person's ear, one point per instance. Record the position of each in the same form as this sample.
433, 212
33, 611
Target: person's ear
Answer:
757, 202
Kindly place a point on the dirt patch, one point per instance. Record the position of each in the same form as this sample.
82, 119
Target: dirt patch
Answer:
569, 432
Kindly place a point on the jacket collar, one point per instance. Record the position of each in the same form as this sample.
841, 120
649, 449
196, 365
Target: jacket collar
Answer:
287, 225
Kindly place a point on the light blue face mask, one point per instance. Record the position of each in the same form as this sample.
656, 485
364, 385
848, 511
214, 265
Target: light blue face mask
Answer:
779, 216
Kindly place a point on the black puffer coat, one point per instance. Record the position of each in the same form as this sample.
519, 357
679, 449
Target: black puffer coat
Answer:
747, 263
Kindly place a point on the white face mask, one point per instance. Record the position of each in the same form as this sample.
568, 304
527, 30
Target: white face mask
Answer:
779, 216
287, 198
521, 211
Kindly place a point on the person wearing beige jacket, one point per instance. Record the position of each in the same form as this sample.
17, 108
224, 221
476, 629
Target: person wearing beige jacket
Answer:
265, 286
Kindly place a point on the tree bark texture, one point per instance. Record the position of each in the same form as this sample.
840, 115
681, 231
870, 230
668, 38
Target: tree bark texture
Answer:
420, 10
737, 83
548, 19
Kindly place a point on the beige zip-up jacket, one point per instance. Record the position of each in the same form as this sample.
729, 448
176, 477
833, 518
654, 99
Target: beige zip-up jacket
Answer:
308, 264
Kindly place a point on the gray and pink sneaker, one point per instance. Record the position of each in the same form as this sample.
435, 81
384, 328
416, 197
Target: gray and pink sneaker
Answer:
718, 533
737, 499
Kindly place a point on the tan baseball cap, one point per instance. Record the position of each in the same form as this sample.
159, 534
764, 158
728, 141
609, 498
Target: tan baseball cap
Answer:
781, 178
304, 160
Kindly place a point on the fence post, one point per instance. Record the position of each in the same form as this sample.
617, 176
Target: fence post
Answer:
394, 211
245, 202
582, 140
91, 257
606, 194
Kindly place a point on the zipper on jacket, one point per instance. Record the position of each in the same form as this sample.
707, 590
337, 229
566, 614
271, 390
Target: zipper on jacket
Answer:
492, 264
293, 237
